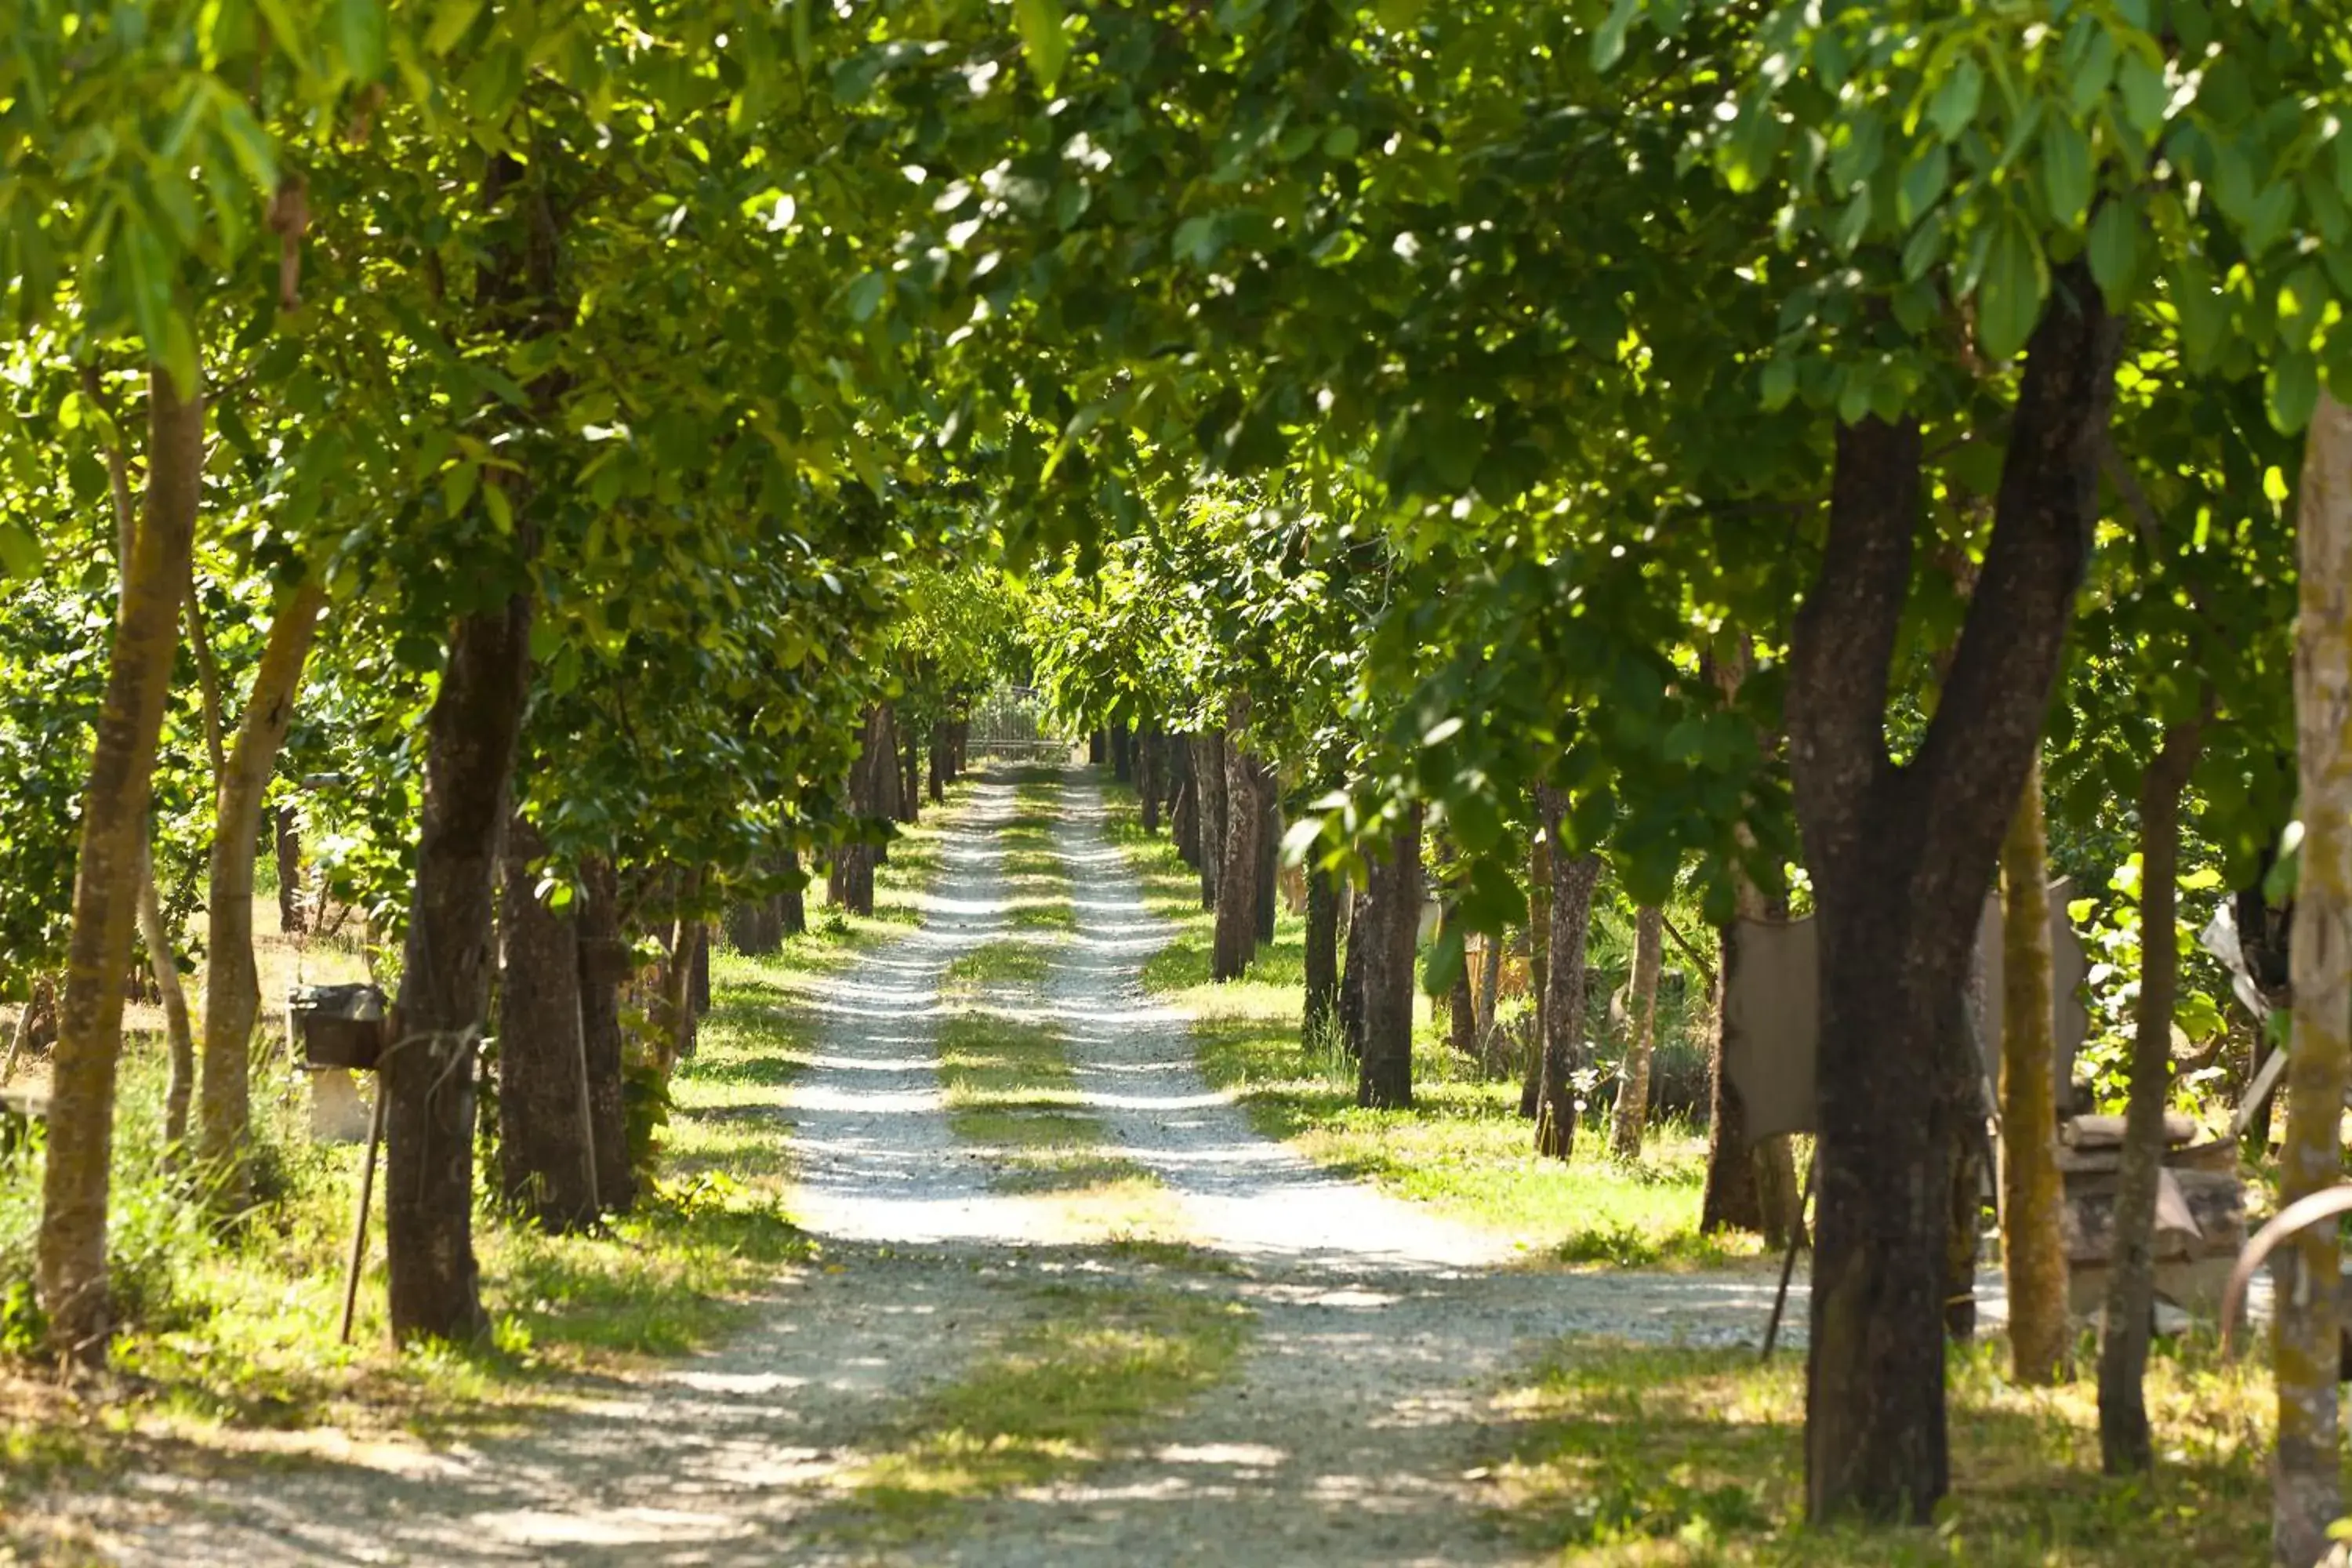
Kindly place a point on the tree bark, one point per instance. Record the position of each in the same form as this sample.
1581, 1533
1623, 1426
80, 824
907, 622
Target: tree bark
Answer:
605, 963
1384, 1073
911, 779
1122, 751
113, 848
792, 904
1150, 753
547, 1158
1209, 783
286, 848
1322, 956
1900, 857
942, 744
179, 1087
2126, 1442
233, 983
1359, 942
1490, 981
428, 1079
1573, 878
2307, 1494
1633, 1088
1184, 817
1267, 872
850, 884
1538, 960
678, 977
1238, 889
2033, 1196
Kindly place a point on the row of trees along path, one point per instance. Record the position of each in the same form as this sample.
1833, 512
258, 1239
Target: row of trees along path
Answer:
614, 422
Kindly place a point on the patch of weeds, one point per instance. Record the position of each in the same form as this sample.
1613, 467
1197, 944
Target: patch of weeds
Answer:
1056, 1396
1006, 962
1059, 914
1009, 1088
1627, 1455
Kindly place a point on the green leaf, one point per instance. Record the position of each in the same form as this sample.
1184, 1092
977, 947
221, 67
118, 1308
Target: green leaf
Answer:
360, 35
1044, 38
1955, 103
2009, 296
1340, 141
1923, 182
20, 553
2114, 251
2065, 171
2291, 390
1609, 38
864, 295
451, 19
1779, 382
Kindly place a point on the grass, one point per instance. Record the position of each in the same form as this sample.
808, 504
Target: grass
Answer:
1058, 1395
230, 1330
1684, 1456
996, 963
1462, 1150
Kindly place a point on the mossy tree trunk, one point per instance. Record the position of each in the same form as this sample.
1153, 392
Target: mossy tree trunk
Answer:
113, 851
2126, 1444
1633, 1087
233, 983
2307, 1482
2033, 1197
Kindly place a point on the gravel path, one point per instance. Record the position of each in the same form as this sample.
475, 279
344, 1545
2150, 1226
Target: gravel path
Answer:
1355, 1430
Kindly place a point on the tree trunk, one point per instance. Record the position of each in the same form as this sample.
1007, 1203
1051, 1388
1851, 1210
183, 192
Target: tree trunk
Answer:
113, 847
1461, 1001
1184, 817
2033, 1197
2306, 1476
792, 904
1269, 852
428, 1080
232, 983
1633, 1087
1122, 751
1149, 764
677, 978
1237, 886
1574, 878
179, 1087
1384, 1073
882, 782
605, 962
911, 779
1490, 981
2126, 1442
850, 884
1209, 786
547, 1159
1900, 857
1538, 960
942, 744
1098, 747
286, 848
1322, 956
1359, 942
